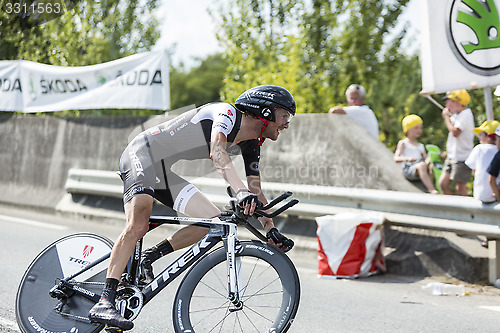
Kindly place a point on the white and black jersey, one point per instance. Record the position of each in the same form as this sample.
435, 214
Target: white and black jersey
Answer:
146, 163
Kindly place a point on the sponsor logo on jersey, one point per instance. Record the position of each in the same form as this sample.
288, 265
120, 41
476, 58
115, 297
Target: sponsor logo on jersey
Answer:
227, 117
181, 127
172, 133
230, 113
136, 163
87, 250
154, 130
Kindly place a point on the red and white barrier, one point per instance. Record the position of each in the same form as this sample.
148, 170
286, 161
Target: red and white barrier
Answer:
350, 245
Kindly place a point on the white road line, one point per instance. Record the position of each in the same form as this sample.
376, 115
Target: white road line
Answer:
492, 308
33, 223
9, 324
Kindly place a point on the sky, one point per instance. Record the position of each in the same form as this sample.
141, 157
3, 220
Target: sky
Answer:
188, 25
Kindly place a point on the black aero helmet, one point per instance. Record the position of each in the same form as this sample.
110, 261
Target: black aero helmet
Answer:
263, 101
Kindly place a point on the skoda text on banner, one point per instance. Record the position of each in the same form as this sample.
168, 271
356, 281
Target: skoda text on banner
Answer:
460, 44
136, 82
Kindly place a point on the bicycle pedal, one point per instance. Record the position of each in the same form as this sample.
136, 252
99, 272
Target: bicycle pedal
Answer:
112, 329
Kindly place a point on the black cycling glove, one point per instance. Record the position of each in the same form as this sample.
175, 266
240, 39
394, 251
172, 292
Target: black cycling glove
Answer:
279, 238
245, 197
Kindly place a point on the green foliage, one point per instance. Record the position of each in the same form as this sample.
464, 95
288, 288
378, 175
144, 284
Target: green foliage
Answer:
199, 85
317, 48
259, 47
89, 33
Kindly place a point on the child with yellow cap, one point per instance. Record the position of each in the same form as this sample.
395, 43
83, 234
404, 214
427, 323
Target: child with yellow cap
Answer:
480, 159
459, 121
412, 154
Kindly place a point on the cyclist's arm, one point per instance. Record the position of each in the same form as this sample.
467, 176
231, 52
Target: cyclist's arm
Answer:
222, 162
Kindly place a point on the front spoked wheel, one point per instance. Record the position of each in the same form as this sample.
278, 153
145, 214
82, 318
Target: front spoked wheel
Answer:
269, 290
37, 311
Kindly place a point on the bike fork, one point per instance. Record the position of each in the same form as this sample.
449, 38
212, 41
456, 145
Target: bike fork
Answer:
233, 269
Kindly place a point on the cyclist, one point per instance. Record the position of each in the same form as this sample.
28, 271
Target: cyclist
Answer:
214, 131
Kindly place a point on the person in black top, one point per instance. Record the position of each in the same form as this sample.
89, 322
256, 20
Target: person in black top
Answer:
214, 131
494, 168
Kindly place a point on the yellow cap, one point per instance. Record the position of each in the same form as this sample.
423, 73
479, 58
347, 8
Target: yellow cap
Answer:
461, 96
489, 126
411, 121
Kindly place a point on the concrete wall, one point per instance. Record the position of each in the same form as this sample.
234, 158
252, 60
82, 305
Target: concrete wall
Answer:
36, 153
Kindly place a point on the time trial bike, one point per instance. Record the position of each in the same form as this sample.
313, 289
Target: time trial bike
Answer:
241, 286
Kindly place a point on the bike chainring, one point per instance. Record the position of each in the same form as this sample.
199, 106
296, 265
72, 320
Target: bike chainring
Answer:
129, 301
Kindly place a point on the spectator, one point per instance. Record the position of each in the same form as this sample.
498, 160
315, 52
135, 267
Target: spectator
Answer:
412, 154
480, 158
357, 109
494, 169
460, 123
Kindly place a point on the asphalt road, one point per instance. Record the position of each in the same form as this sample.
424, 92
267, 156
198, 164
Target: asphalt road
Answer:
385, 303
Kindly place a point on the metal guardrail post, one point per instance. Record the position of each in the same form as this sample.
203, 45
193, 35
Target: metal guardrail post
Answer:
493, 261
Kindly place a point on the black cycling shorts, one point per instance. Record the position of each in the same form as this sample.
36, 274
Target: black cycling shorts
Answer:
141, 175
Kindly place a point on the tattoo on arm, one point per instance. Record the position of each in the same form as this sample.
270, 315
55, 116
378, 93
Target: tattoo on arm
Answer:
220, 157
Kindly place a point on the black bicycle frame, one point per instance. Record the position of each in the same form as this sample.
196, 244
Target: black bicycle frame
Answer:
179, 266
216, 233
214, 236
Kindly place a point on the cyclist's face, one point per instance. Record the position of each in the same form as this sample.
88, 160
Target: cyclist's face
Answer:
274, 128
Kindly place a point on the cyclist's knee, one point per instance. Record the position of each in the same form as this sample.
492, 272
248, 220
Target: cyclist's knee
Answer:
136, 230
138, 211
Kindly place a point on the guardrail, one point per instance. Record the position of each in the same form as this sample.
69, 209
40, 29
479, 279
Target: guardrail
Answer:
463, 215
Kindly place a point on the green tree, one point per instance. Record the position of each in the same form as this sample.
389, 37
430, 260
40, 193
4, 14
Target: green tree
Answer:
199, 85
261, 46
91, 32
318, 49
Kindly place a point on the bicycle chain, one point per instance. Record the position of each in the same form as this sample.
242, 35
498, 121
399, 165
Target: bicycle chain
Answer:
80, 318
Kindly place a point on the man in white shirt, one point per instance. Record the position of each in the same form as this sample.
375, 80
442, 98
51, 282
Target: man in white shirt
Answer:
357, 109
459, 121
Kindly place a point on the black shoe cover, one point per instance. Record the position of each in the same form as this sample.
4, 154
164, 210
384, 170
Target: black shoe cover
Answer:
105, 313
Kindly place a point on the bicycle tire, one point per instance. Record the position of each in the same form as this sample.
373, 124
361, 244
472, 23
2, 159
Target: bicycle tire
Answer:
269, 283
35, 309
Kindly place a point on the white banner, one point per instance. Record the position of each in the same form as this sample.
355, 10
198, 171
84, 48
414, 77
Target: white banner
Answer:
460, 44
140, 81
